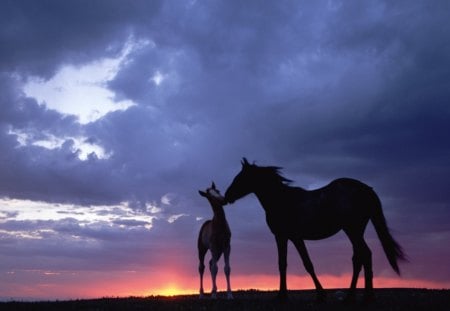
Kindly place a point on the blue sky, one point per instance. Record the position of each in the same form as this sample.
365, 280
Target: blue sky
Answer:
113, 114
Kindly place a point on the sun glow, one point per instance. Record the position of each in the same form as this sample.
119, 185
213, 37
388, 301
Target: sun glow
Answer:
173, 290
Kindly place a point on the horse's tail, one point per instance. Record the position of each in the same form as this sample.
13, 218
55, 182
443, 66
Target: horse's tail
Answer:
392, 249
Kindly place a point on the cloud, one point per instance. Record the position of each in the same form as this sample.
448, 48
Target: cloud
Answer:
88, 238
39, 38
79, 91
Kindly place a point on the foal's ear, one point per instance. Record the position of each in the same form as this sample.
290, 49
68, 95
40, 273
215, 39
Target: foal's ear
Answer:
213, 185
203, 194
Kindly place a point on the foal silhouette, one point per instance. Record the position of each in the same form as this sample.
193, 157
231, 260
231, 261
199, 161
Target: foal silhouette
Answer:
214, 235
295, 214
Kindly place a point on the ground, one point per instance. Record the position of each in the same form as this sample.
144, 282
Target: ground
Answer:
386, 299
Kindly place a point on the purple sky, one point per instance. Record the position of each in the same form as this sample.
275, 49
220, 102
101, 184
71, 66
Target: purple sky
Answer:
114, 113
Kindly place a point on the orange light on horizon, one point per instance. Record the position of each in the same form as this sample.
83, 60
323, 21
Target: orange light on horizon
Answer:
174, 283
173, 290
189, 285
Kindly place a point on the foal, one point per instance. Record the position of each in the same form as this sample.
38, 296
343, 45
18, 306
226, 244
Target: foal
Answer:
215, 235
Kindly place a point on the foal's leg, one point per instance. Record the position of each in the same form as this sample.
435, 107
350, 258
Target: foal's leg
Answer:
301, 248
282, 265
201, 267
213, 268
227, 270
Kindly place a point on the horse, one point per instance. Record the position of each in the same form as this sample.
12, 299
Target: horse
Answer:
295, 214
214, 235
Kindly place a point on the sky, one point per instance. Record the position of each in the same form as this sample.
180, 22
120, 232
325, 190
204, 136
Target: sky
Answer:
113, 114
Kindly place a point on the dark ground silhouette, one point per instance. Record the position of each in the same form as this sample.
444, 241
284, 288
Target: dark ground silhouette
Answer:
386, 299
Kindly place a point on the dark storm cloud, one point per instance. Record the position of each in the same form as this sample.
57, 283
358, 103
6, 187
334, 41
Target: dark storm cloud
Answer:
38, 37
323, 89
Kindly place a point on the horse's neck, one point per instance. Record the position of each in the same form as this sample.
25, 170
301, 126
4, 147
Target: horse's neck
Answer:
270, 195
267, 201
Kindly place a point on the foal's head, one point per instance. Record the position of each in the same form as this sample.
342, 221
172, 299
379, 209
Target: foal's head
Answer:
213, 195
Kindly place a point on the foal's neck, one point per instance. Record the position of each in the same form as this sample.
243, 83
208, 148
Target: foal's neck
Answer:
218, 211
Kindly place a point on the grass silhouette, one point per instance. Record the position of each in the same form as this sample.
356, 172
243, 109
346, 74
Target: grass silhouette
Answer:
386, 299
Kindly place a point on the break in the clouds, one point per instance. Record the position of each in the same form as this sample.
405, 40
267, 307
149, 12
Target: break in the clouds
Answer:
114, 114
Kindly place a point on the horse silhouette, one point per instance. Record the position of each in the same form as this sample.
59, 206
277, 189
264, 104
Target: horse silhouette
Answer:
215, 235
295, 214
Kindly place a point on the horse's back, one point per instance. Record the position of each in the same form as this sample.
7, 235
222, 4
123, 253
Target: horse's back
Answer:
353, 200
347, 182
350, 193
320, 213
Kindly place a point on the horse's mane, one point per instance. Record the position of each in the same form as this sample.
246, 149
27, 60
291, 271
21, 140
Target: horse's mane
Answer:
274, 174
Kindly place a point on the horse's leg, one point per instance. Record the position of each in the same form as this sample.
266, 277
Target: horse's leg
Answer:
301, 248
368, 273
201, 267
356, 261
357, 265
362, 256
282, 265
213, 268
227, 270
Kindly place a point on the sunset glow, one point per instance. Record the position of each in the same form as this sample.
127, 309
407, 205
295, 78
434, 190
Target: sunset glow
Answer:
270, 283
143, 284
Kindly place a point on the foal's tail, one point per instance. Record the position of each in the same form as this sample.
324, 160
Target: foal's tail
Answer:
392, 249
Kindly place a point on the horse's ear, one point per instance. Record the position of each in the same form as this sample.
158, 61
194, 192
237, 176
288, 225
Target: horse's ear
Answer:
244, 162
203, 194
213, 185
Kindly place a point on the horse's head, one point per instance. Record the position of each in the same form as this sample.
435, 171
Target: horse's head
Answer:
213, 195
243, 182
